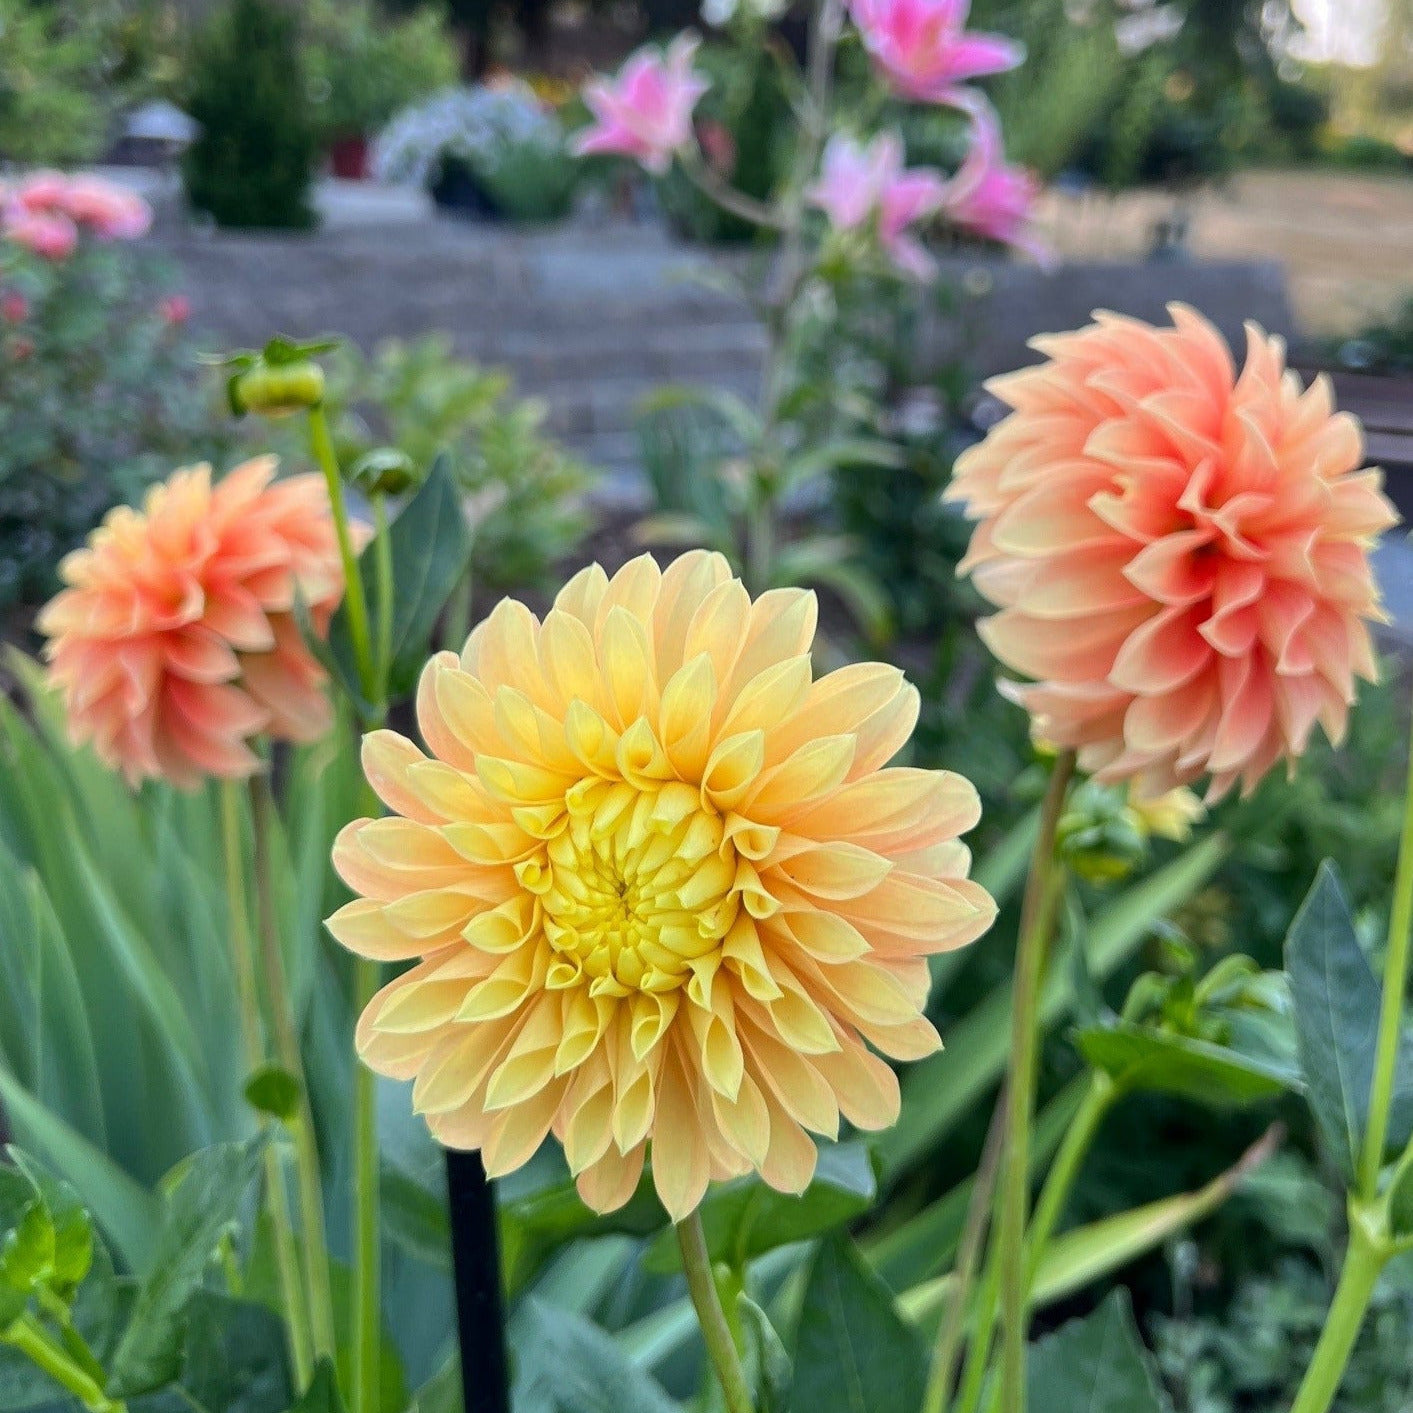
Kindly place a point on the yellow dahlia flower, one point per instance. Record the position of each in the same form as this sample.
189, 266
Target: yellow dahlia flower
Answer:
662, 889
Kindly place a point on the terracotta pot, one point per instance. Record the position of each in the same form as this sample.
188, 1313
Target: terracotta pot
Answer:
348, 157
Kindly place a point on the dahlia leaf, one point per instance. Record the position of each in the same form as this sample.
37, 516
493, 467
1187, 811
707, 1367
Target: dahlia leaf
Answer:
204, 1197
853, 1352
1095, 1365
1139, 1057
431, 548
767, 1360
322, 1395
274, 1091
234, 1358
1336, 996
568, 1365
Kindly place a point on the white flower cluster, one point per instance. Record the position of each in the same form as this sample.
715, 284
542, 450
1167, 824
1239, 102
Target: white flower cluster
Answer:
479, 125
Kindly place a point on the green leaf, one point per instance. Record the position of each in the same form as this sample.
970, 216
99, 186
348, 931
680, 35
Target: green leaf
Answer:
1400, 1200
274, 1091
442, 1392
431, 547
1079, 1257
746, 1218
1139, 1057
1094, 1365
1336, 998
27, 1249
767, 1362
415, 1217
853, 1352
234, 1359
322, 1395
73, 1228
537, 1224
567, 1365
204, 1199
127, 1212
938, 1091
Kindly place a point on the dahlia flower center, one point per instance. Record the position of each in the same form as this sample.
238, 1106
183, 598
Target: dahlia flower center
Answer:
636, 888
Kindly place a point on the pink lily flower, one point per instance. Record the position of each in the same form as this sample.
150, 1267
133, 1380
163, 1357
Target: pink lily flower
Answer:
990, 198
923, 49
859, 184
645, 112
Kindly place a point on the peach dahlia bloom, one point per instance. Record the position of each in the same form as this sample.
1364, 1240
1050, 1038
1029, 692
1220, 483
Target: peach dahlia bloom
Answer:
175, 641
1179, 553
662, 890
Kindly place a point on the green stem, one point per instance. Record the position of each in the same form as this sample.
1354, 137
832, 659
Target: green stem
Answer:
1391, 1008
952, 1330
1037, 917
1362, 1263
979, 1350
308, 1179
322, 446
1099, 1098
367, 1252
33, 1341
292, 1290
716, 1333
383, 571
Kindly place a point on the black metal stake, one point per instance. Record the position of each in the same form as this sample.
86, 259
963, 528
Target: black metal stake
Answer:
475, 1257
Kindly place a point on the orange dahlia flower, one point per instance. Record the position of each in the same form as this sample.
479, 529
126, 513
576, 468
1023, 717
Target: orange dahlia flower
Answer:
1180, 554
662, 890
175, 641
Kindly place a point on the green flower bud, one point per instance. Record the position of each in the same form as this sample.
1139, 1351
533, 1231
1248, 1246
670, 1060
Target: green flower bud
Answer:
385, 471
277, 391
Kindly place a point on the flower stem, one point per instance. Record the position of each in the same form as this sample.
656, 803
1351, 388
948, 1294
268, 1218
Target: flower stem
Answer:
716, 1332
287, 1050
1391, 1009
33, 1341
1362, 1263
367, 1251
292, 1290
1037, 918
1099, 1098
952, 1330
383, 571
322, 445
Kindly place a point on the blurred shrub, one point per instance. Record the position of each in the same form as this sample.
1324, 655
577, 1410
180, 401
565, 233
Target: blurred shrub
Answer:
363, 66
1362, 152
51, 83
253, 164
1382, 347
98, 397
743, 124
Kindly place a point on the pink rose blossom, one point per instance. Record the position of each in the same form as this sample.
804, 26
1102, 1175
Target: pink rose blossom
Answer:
858, 184
645, 112
923, 50
175, 310
108, 211
49, 234
111, 212
989, 198
14, 308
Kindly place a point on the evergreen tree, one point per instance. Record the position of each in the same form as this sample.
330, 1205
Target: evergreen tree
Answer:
253, 163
